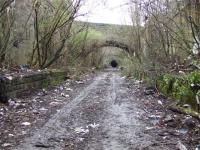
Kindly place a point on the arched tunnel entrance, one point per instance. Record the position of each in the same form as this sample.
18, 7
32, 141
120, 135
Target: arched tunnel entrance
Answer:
114, 63
111, 56
116, 49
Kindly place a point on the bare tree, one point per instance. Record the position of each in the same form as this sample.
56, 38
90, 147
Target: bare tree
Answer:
170, 28
46, 51
6, 23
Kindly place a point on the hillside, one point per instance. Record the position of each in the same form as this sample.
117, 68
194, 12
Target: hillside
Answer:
111, 31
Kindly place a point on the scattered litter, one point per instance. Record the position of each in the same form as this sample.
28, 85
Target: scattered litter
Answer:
69, 89
186, 106
43, 145
124, 77
170, 121
43, 109
79, 82
171, 124
35, 111
11, 103
67, 84
41, 93
160, 102
24, 67
166, 138
180, 146
61, 88
6, 145
168, 118
54, 103
81, 130
36, 98
189, 122
19, 106
174, 133
150, 90
149, 128
93, 125
183, 131
197, 147
181, 72
163, 134
11, 135
9, 78
154, 116
24, 132
80, 139
1, 113
138, 82
64, 95
26, 123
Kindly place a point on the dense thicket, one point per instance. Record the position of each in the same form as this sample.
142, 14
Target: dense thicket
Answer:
43, 33
166, 47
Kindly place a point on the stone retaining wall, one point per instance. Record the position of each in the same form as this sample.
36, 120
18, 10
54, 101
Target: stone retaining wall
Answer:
18, 85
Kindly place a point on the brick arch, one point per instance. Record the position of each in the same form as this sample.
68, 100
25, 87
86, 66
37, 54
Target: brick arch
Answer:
108, 43
111, 43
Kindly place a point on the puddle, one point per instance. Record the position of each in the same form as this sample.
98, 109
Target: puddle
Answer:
183, 131
154, 119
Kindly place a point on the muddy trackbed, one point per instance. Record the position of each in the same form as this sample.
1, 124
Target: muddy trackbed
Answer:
103, 116
100, 111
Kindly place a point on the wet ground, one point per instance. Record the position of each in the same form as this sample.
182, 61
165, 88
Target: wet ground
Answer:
102, 112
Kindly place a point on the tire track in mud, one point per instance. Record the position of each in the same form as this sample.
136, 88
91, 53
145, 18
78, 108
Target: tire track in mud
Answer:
120, 126
54, 131
104, 116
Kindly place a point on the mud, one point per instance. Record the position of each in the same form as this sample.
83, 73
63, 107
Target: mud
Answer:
108, 113
104, 116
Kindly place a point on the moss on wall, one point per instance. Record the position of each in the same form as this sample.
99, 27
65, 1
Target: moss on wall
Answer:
44, 79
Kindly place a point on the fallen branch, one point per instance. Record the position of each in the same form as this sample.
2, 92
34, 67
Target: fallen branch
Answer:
185, 111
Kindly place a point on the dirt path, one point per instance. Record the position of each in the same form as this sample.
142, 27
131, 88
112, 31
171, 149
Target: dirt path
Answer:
104, 116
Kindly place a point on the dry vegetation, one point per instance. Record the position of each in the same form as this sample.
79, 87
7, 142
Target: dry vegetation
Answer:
164, 39
43, 34
165, 47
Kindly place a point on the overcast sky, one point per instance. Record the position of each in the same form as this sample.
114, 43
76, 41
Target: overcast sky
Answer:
106, 11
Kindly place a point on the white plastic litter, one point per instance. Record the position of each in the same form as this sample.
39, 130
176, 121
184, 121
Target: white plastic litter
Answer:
160, 102
26, 123
6, 144
180, 146
93, 125
69, 89
81, 130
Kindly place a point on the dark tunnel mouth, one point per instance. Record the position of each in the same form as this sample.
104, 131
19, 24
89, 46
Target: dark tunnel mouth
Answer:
114, 63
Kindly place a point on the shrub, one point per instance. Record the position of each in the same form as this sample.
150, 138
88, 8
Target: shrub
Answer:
180, 87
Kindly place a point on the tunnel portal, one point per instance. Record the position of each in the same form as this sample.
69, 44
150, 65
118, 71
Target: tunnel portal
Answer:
114, 63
